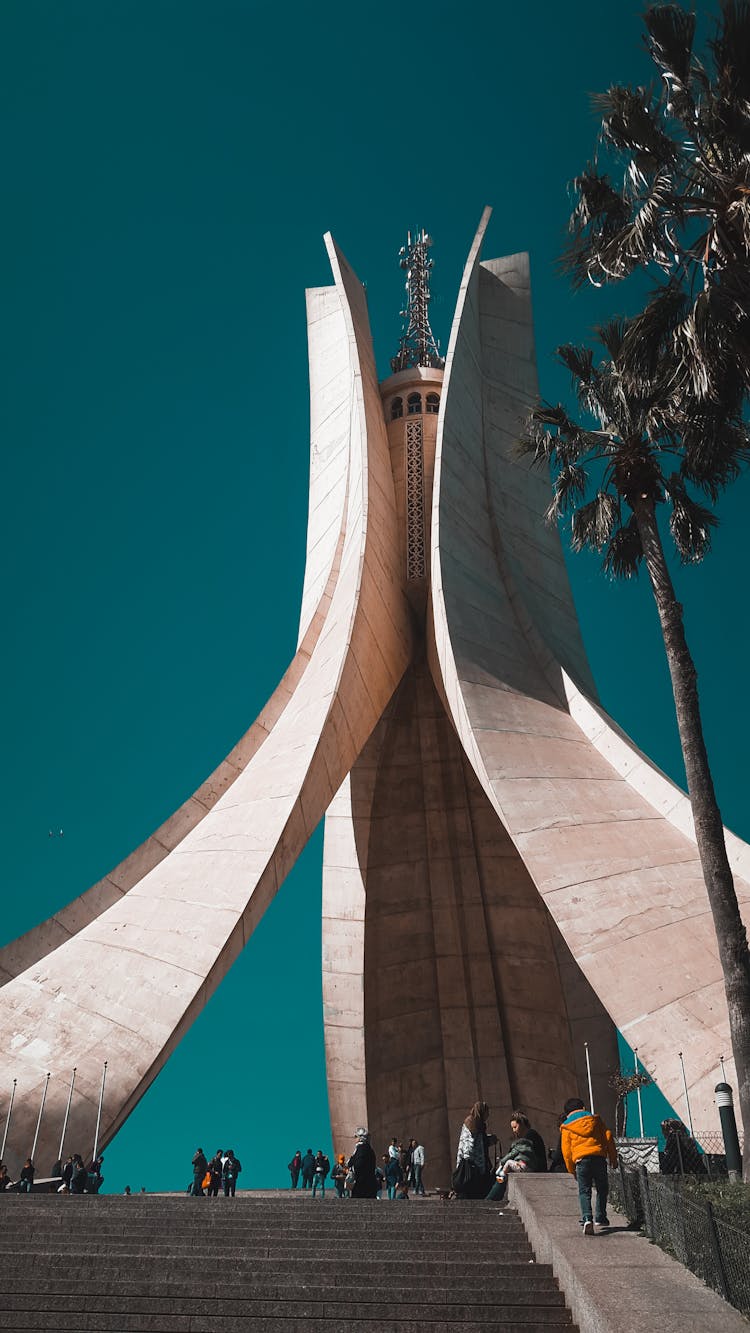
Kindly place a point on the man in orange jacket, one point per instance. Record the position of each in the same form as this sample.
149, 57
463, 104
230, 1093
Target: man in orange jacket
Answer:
587, 1145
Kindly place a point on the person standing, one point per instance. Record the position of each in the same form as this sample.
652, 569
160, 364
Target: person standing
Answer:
80, 1175
295, 1167
66, 1176
556, 1159
95, 1177
587, 1145
338, 1175
232, 1168
417, 1166
216, 1172
473, 1177
322, 1167
362, 1163
308, 1169
200, 1167
394, 1176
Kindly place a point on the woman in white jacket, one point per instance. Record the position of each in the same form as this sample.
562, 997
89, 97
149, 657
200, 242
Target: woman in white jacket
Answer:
473, 1176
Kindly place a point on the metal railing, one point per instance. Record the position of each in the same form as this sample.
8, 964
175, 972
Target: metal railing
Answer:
712, 1248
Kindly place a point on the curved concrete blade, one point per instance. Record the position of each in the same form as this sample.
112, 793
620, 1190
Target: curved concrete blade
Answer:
330, 394
126, 987
605, 836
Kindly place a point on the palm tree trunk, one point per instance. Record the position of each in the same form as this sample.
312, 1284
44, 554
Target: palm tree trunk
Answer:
709, 829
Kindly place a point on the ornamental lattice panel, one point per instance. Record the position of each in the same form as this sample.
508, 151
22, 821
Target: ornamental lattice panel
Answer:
416, 567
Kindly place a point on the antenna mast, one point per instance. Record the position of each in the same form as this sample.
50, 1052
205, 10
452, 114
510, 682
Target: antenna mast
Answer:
417, 346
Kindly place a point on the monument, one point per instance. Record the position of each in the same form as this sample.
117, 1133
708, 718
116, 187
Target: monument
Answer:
506, 877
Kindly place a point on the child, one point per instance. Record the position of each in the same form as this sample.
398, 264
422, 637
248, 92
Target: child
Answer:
586, 1146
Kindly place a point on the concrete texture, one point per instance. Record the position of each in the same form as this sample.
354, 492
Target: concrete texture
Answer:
504, 873
605, 837
284, 1263
443, 972
616, 1282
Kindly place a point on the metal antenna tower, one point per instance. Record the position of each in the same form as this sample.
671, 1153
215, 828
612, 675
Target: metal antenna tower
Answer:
417, 346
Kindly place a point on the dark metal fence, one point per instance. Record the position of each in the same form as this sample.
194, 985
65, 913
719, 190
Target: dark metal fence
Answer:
717, 1252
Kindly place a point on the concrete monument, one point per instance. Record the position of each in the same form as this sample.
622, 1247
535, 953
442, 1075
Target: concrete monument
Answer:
505, 876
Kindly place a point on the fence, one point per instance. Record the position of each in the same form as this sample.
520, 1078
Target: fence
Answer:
717, 1252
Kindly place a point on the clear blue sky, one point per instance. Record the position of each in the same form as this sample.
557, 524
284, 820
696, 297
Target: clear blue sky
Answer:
169, 169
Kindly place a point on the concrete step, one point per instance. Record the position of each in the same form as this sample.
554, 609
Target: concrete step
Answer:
369, 1269
510, 1318
490, 1247
297, 1306
124, 1278
507, 1279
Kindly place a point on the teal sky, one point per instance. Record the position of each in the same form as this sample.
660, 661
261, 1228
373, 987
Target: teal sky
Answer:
169, 169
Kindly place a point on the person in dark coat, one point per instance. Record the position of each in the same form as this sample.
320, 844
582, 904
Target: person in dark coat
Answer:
216, 1171
295, 1166
681, 1155
362, 1163
527, 1153
519, 1124
308, 1169
26, 1179
94, 1173
80, 1177
66, 1176
200, 1167
556, 1159
232, 1168
394, 1176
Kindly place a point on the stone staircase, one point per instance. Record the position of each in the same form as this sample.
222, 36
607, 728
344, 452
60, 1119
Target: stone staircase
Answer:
284, 1264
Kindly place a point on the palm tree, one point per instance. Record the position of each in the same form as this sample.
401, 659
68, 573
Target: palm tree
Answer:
637, 456
678, 203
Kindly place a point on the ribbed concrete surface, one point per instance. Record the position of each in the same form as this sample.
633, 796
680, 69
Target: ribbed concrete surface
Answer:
283, 1265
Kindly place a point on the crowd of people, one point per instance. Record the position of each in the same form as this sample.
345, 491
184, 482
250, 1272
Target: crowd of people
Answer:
362, 1176
584, 1148
66, 1177
220, 1173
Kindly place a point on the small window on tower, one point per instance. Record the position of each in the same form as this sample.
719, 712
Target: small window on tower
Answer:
414, 404
397, 409
433, 402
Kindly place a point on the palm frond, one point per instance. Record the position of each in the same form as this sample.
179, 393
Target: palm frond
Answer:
690, 523
578, 360
651, 332
593, 523
624, 553
612, 335
630, 123
600, 211
714, 451
671, 33
730, 48
569, 489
